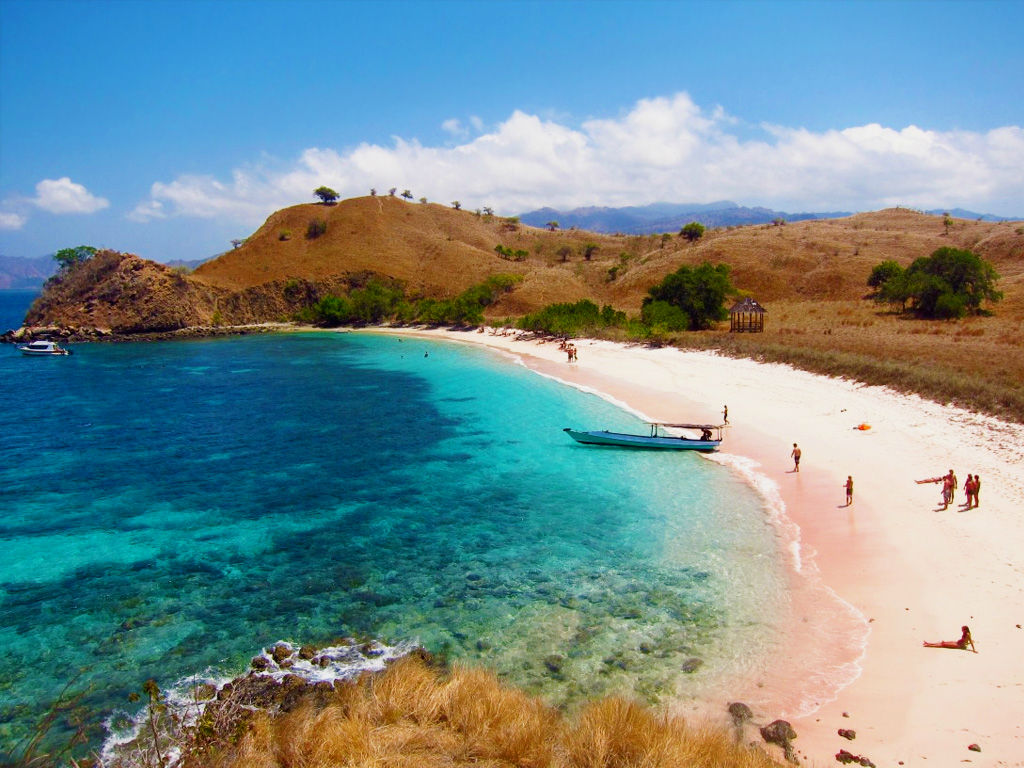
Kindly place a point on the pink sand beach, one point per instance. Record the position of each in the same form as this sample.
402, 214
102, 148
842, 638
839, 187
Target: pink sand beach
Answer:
872, 580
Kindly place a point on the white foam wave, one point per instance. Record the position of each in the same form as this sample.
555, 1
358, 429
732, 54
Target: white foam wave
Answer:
129, 741
844, 625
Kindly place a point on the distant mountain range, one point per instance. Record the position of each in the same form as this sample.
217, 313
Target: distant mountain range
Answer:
670, 217
25, 274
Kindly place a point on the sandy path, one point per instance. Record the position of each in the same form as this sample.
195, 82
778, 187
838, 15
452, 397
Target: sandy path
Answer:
905, 570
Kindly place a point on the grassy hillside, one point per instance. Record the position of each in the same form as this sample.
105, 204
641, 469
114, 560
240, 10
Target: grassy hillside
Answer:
810, 275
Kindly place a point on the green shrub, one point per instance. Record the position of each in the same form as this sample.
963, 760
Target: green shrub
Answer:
565, 319
664, 316
316, 228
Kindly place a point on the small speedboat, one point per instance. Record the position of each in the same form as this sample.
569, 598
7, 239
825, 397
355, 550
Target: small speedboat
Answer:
656, 439
43, 348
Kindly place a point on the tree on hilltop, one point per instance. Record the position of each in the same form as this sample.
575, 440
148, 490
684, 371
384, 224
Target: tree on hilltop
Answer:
456, 205
407, 194
552, 225
68, 258
693, 231
327, 195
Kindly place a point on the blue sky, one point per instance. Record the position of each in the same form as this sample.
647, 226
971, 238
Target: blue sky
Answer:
169, 128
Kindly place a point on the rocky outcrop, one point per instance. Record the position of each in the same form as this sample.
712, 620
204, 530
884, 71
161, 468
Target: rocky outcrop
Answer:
118, 295
780, 732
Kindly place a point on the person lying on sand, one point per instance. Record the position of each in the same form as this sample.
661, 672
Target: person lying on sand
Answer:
961, 644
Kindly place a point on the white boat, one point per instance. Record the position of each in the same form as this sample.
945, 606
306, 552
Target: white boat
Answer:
656, 439
43, 348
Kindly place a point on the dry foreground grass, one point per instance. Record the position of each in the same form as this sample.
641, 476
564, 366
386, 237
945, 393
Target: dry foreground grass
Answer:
412, 716
811, 276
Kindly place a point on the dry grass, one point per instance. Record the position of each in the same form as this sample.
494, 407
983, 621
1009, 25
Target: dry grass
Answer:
412, 716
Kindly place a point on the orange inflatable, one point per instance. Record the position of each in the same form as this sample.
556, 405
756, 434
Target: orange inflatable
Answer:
864, 427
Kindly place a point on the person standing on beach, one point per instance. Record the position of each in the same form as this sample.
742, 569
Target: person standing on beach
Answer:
849, 490
968, 491
725, 414
952, 485
977, 487
795, 455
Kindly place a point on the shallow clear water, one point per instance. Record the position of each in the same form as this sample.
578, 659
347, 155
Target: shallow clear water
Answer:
173, 507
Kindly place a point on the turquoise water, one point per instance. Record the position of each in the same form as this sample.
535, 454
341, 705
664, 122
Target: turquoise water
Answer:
170, 508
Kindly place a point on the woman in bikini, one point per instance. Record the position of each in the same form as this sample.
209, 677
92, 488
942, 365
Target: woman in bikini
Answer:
961, 644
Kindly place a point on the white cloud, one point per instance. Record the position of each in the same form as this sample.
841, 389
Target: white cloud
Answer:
147, 210
65, 196
665, 148
454, 126
11, 220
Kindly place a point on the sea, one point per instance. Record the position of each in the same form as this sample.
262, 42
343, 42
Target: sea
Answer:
170, 509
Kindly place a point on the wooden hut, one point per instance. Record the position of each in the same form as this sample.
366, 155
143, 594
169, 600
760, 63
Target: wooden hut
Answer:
746, 316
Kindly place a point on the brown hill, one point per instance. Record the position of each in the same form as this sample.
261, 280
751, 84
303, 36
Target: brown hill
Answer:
811, 275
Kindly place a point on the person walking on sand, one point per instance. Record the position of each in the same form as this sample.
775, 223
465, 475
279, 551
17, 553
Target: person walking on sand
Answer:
795, 455
947, 489
849, 490
961, 644
725, 414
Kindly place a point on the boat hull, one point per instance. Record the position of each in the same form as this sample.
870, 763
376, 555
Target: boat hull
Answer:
43, 353
660, 442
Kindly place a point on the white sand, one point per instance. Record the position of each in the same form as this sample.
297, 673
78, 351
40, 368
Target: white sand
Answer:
905, 569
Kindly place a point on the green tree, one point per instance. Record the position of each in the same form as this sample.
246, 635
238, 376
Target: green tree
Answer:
699, 292
456, 205
588, 250
327, 195
552, 225
693, 231
951, 282
68, 258
407, 194
564, 252
883, 272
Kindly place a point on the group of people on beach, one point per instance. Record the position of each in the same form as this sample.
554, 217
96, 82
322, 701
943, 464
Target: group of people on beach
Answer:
569, 348
972, 487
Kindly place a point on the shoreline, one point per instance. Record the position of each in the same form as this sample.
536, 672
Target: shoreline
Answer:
907, 570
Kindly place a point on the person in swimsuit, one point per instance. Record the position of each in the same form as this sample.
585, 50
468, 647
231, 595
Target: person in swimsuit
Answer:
849, 490
795, 454
977, 487
961, 644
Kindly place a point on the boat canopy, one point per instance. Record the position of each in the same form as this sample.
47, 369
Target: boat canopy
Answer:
687, 426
